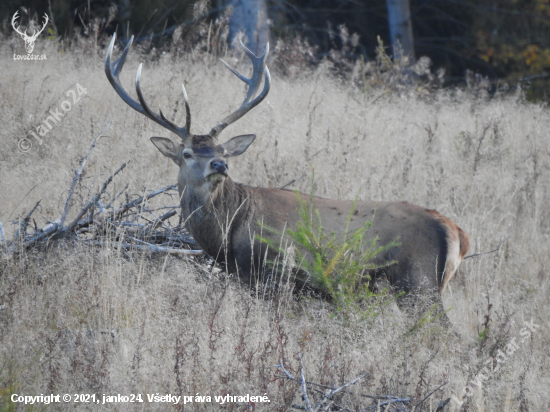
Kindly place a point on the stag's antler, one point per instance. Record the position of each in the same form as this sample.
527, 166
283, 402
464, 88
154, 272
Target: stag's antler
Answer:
113, 70
24, 34
258, 63
259, 66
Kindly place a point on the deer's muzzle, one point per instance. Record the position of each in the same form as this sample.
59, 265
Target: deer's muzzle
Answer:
219, 166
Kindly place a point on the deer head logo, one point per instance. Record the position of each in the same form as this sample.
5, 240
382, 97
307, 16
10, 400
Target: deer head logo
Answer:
29, 40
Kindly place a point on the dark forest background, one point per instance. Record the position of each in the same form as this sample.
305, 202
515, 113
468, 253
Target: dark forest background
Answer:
504, 40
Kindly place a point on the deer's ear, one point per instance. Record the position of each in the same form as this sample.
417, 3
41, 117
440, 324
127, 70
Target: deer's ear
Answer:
168, 148
238, 144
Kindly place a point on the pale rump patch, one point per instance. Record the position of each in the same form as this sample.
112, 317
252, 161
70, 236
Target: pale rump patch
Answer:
458, 243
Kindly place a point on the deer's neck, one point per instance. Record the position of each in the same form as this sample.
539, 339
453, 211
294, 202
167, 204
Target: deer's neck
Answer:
212, 217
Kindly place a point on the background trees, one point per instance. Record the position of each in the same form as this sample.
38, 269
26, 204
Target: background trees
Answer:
400, 25
501, 39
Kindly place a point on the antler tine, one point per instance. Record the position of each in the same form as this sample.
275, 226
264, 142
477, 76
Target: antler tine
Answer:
112, 70
187, 110
258, 66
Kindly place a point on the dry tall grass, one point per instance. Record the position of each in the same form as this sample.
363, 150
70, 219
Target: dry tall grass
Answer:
81, 320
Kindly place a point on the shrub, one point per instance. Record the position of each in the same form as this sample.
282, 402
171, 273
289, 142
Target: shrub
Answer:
337, 266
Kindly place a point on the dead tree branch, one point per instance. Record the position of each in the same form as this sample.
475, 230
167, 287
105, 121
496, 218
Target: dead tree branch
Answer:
130, 226
77, 176
327, 400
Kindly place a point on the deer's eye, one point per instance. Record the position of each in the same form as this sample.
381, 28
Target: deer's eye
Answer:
187, 155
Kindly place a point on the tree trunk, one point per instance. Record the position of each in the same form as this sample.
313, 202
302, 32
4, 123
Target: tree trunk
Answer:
399, 18
124, 14
250, 18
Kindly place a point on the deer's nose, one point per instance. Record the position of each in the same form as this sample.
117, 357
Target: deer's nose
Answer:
219, 166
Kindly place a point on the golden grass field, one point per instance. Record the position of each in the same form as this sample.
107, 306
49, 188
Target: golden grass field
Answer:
94, 320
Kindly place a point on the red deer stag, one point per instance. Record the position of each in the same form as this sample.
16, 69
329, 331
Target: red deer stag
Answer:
223, 216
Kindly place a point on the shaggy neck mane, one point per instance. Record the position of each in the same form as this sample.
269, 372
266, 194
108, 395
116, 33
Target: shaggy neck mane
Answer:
229, 203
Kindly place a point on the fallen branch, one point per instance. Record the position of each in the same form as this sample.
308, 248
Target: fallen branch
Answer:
46, 231
327, 402
118, 213
147, 246
140, 199
90, 204
327, 399
77, 176
97, 224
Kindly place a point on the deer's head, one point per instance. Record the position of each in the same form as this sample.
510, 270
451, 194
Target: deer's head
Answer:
203, 162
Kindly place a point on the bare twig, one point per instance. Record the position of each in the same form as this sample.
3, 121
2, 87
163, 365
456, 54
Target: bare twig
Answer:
378, 397
94, 200
21, 201
484, 253
288, 184
161, 219
101, 208
117, 196
442, 405
59, 231
140, 199
109, 180
289, 376
71, 225
76, 224
335, 391
77, 177
23, 228
303, 384
79, 172
149, 247
287, 373
326, 401
430, 394
394, 400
